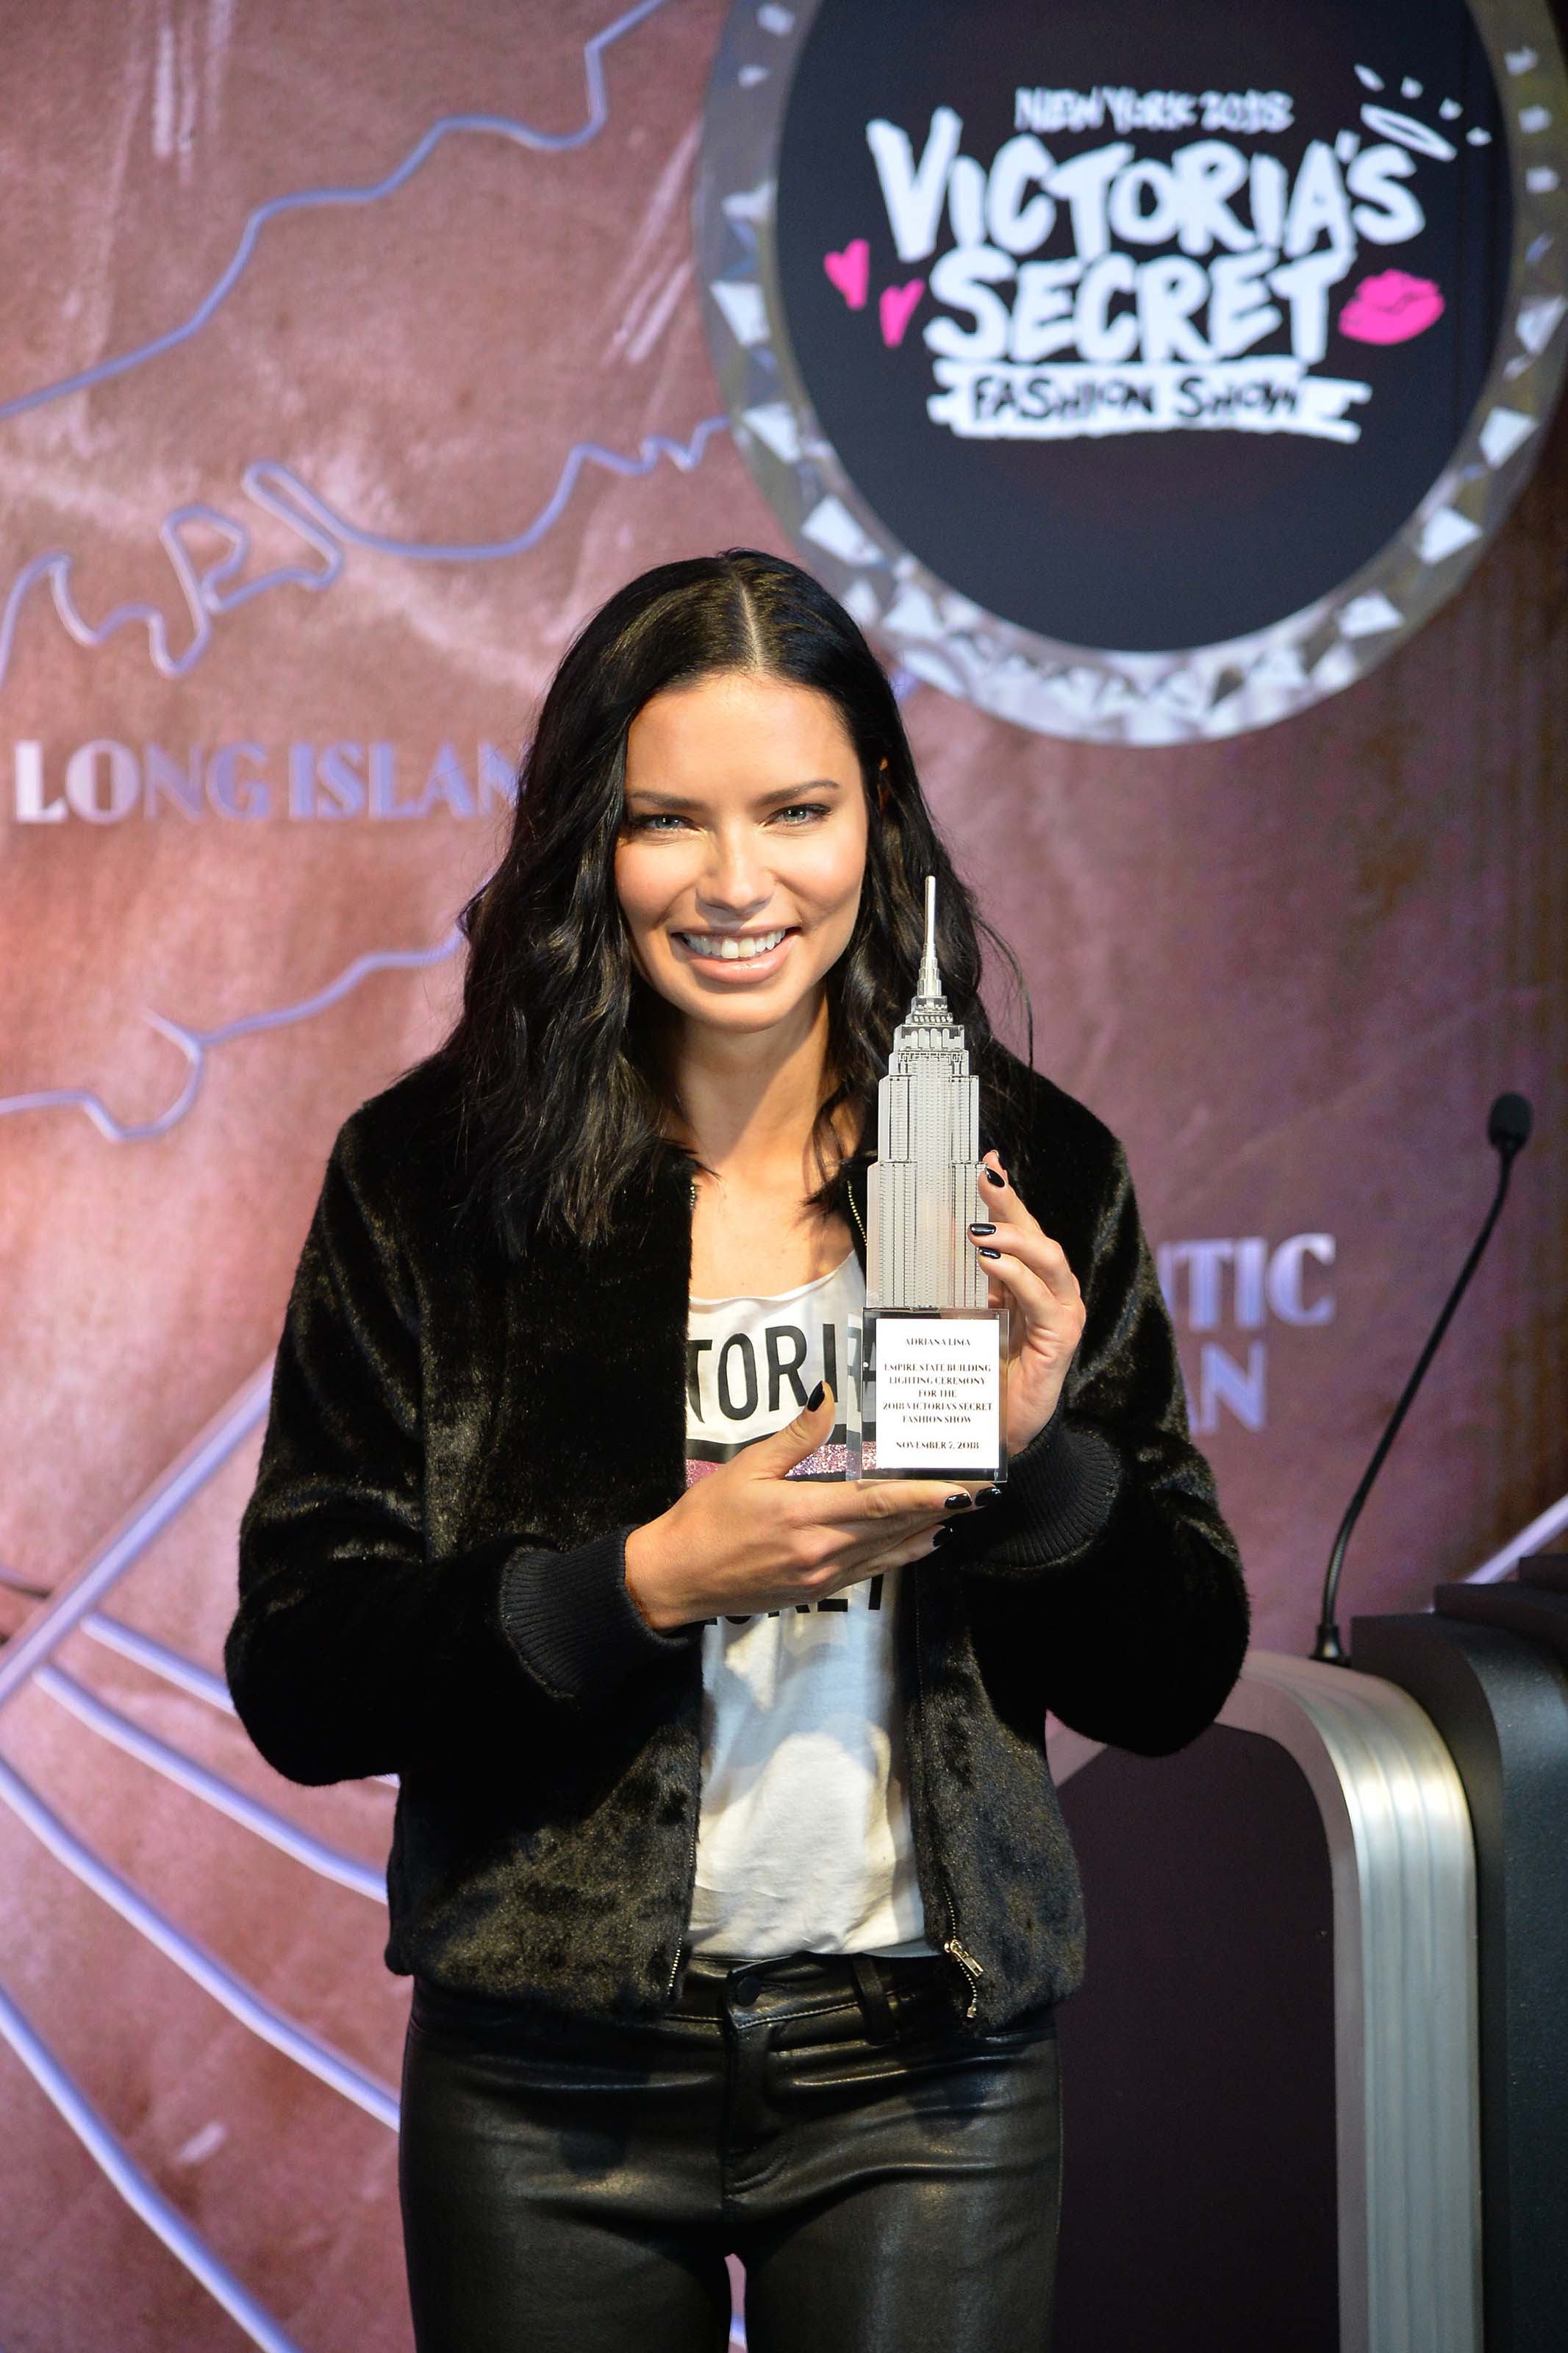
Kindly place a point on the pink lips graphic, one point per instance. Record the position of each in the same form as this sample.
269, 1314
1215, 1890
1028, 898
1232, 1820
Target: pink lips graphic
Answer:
1391, 308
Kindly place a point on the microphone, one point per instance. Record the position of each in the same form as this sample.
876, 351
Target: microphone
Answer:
1508, 1123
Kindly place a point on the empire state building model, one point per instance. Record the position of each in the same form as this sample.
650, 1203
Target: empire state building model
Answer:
935, 1351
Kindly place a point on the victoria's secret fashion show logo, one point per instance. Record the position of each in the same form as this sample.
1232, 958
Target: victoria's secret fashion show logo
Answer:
1119, 291
1133, 372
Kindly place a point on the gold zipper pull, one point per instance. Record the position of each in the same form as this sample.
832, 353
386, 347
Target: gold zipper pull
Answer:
970, 1968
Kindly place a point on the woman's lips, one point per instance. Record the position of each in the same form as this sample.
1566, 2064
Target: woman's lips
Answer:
731, 970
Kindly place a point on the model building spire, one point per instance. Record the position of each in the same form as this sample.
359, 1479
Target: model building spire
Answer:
921, 1191
929, 982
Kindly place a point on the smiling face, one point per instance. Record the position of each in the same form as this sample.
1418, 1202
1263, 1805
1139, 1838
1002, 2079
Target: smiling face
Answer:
742, 847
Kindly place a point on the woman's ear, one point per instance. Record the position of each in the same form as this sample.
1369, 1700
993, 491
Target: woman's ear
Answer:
883, 795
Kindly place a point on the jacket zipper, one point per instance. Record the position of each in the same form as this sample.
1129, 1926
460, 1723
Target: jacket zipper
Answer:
692, 1843
691, 1875
966, 1962
954, 1948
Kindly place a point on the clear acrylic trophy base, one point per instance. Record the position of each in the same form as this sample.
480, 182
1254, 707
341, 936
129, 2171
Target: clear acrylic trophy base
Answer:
933, 1394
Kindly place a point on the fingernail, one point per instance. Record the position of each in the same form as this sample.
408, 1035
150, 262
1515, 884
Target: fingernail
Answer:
993, 1176
989, 1495
988, 1253
817, 1394
981, 1228
959, 1502
940, 1535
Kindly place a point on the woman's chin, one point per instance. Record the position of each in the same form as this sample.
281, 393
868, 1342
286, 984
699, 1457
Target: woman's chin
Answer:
745, 1016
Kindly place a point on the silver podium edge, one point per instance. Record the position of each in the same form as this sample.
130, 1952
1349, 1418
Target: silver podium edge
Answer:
1402, 1863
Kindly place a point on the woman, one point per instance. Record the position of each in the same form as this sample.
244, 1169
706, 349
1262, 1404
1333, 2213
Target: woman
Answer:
726, 1861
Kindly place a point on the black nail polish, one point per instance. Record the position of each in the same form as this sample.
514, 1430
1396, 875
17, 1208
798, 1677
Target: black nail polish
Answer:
989, 1495
980, 1226
988, 1253
941, 1536
993, 1176
959, 1502
815, 1400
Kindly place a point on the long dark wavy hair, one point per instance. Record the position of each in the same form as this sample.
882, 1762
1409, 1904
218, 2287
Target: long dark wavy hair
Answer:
565, 1103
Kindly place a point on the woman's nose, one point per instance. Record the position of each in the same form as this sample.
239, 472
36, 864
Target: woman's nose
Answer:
735, 881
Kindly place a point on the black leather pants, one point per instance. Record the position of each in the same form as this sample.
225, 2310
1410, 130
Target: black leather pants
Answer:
890, 2183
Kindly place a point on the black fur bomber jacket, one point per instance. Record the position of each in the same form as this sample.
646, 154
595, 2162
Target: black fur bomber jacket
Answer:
431, 1580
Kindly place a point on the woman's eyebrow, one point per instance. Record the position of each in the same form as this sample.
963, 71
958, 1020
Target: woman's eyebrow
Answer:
679, 803
794, 792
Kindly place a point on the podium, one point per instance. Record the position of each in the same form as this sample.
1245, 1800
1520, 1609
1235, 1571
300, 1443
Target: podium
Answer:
1314, 2086
1271, 2079
1489, 1663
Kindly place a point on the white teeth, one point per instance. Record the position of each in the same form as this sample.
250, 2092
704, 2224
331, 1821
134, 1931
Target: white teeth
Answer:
730, 946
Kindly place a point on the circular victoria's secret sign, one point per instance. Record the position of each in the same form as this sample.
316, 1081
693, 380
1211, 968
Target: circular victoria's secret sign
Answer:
1139, 373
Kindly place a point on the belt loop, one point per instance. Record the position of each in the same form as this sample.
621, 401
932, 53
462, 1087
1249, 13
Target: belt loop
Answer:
871, 1985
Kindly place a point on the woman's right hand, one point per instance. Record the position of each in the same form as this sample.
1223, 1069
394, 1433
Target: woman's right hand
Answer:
748, 1538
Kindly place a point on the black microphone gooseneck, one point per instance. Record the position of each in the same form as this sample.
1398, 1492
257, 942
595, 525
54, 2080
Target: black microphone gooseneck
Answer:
1508, 1123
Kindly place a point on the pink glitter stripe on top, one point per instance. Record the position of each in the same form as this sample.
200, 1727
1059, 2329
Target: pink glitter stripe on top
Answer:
831, 1462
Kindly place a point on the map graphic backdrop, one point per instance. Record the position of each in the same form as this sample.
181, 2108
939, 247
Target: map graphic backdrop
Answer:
352, 357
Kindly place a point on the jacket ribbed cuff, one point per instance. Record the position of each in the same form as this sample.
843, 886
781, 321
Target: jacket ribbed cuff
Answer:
1058, 1496
575, 1627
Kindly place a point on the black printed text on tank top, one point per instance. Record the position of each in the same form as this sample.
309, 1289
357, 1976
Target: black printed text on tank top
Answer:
745, 1374
870, 1585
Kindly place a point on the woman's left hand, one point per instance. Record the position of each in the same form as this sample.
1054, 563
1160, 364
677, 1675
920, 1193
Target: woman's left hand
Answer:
1028, 1275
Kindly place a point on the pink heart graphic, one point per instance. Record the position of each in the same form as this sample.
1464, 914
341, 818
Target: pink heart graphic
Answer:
896, 308
1391, 308
851, 271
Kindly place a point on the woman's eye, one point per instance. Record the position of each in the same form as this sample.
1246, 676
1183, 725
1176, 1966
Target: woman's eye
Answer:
668, 821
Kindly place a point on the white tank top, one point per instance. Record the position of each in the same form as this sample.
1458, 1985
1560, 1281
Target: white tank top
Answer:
803, 1842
